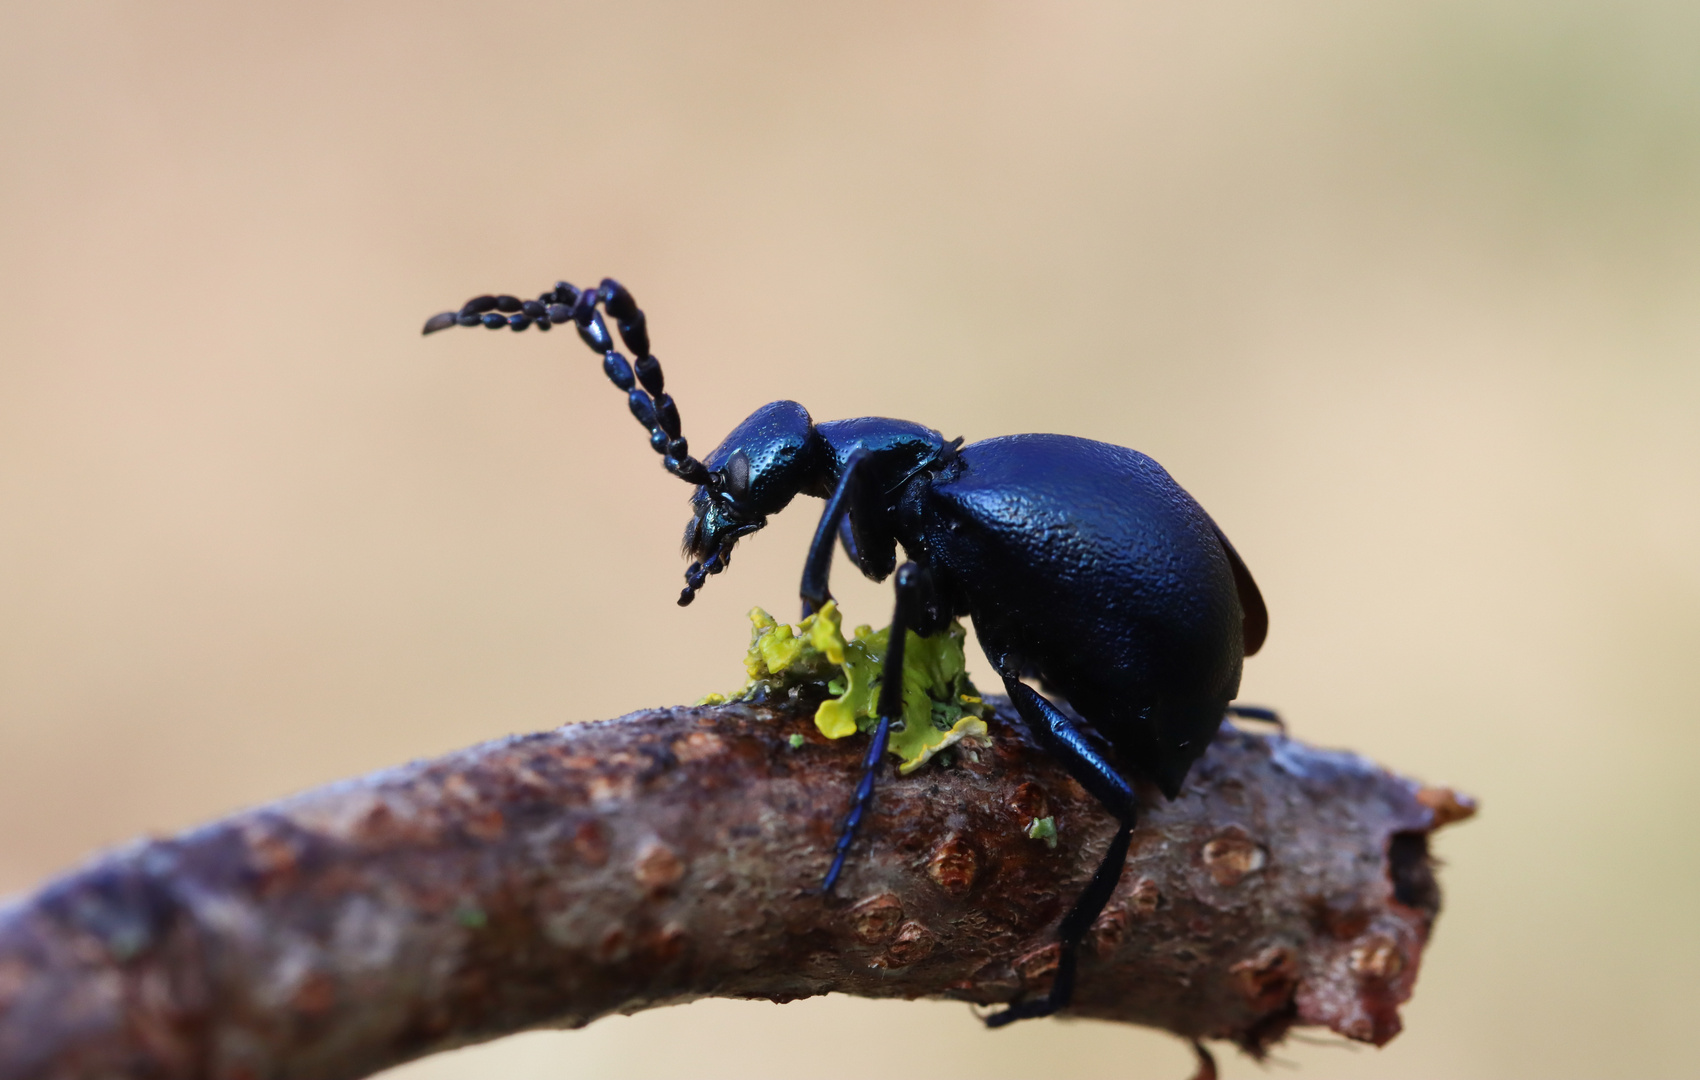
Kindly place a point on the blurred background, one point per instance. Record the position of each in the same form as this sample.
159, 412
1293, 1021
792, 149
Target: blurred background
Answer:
1404, 294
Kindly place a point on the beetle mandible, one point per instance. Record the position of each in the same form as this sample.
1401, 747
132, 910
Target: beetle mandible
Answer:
1083, 565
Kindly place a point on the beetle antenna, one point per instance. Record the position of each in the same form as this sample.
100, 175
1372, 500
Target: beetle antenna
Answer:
641, 381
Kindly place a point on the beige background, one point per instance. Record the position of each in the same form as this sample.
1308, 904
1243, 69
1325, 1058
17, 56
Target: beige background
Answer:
1405, 294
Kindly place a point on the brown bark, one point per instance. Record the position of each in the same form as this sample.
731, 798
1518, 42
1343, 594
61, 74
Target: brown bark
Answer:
549, 879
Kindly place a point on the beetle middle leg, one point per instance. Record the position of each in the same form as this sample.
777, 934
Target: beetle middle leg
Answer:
912, 584
1064, 741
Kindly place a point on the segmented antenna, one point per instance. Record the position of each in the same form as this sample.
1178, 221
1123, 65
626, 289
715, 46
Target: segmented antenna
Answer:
641, 381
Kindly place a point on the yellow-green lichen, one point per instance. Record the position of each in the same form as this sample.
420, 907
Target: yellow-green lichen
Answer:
940, 706
1045, 829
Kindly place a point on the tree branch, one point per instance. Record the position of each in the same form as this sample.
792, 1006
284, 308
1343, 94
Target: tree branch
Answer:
550, 879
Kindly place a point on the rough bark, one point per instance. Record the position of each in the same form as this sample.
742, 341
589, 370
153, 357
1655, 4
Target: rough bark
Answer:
549, 879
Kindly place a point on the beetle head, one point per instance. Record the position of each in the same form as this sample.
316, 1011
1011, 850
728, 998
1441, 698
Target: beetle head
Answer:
755, 472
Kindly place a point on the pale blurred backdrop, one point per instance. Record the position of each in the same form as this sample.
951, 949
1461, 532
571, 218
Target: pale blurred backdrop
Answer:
1404, 294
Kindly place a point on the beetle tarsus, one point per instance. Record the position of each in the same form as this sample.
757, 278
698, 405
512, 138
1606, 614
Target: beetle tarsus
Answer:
859, 805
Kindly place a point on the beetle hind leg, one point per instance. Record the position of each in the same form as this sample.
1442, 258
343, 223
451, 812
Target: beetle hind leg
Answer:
1071, 933
1064, 741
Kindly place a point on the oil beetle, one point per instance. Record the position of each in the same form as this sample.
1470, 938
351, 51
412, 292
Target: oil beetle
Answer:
1083, 565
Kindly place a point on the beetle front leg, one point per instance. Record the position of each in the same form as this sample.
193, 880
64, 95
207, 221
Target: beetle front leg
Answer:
817, 568
911, 600
1058, 735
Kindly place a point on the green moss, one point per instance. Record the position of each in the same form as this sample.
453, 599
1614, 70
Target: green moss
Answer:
940, 706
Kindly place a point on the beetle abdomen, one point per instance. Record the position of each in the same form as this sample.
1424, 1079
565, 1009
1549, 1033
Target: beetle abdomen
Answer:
1087, 564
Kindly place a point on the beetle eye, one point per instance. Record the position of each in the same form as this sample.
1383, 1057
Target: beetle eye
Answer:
738, 476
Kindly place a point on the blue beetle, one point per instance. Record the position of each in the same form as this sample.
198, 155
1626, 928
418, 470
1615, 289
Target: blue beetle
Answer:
1083, 565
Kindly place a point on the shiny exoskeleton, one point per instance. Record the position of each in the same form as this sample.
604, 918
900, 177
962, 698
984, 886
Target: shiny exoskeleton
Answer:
1083, 565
